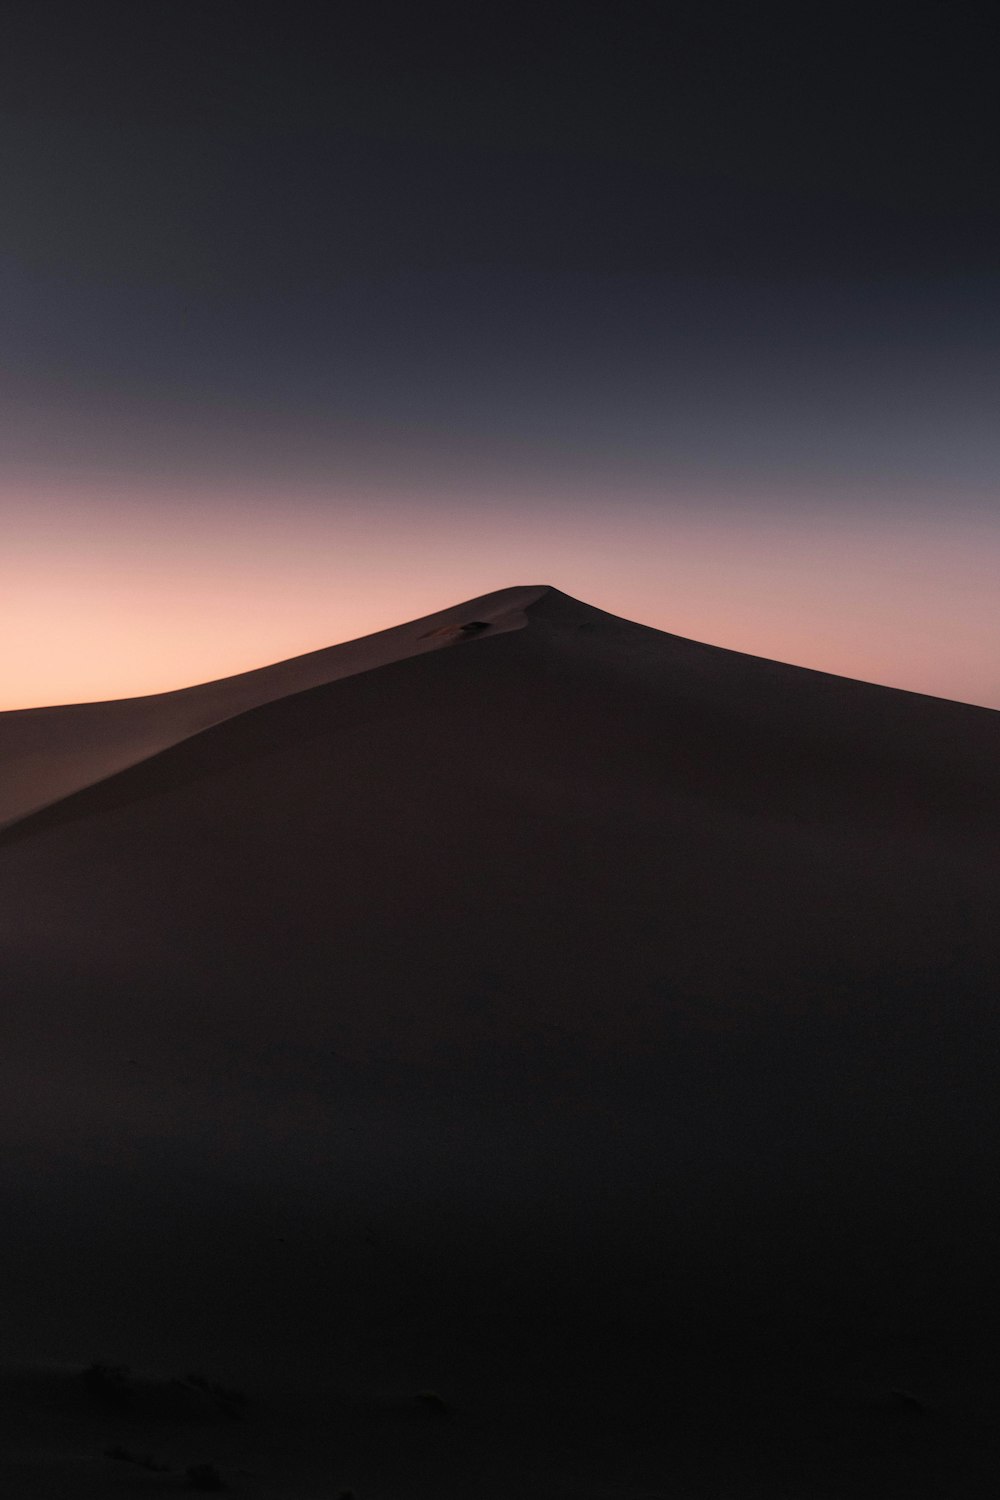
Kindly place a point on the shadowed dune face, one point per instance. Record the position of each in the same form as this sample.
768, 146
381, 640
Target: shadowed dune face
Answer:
48, 753
586, 1007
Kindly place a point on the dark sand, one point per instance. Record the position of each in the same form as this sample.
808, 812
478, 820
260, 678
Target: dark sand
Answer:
593, 1029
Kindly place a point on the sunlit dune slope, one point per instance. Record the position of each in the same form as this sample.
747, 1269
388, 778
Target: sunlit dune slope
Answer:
45, 753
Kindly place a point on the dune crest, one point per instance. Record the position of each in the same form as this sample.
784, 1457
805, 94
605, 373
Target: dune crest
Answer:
47, 753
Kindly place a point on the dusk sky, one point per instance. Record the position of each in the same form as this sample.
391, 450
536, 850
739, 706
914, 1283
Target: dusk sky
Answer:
315, 319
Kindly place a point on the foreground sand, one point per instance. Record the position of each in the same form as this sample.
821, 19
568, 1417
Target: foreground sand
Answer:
593, 1031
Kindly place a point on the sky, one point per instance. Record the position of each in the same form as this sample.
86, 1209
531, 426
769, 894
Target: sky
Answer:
317, 318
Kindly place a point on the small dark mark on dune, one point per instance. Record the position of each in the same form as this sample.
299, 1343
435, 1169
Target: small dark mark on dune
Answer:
471, 627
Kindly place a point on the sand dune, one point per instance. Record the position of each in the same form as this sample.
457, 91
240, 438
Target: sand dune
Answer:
47, 753
595, 1029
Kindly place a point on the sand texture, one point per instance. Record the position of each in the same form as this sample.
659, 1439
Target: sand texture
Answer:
549, 1058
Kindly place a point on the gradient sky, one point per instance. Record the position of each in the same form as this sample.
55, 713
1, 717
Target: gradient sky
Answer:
318, 318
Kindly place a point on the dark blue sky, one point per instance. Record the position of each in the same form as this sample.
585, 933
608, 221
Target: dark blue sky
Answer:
672, 261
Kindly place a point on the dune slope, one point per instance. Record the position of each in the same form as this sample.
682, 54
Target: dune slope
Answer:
594, 1027
47, 753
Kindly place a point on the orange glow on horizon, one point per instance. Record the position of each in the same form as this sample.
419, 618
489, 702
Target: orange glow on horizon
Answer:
112, 599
